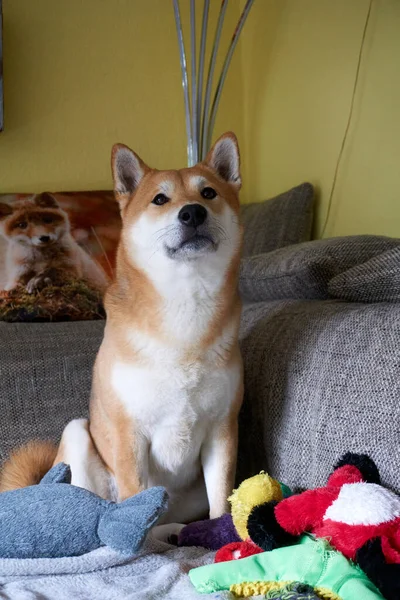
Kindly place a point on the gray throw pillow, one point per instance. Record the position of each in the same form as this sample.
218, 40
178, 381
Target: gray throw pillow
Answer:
303, 271
280, 221
377, 280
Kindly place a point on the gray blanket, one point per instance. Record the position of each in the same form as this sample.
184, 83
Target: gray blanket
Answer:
159, 571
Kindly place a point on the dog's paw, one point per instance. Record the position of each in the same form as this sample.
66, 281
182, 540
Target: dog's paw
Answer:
37, 283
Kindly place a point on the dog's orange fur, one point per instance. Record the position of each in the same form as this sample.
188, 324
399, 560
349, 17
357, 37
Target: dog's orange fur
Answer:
27, 465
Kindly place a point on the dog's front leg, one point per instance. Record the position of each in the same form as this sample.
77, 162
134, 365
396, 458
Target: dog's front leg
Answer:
219, 465
131, 465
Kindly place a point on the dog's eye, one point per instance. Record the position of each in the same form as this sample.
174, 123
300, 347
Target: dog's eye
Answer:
160, 199
22, 225
208, 193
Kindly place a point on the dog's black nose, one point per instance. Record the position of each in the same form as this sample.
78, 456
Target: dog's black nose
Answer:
192, 215
44, 238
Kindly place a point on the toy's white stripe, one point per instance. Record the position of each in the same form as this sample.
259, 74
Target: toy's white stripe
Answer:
364, 504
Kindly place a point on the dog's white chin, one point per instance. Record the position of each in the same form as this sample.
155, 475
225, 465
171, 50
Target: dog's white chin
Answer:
193, 248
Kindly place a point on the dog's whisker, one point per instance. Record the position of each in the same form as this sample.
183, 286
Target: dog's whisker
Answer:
164, 230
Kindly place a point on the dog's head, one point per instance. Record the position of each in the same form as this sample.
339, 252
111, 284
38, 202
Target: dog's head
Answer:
34, 221
179, 217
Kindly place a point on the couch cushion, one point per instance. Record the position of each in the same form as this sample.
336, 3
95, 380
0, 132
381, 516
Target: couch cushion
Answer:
305, 270
377, 280
46, 372
321, 378
280, 221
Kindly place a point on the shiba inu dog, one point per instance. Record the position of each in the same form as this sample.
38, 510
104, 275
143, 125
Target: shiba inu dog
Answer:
167, 382
41, 249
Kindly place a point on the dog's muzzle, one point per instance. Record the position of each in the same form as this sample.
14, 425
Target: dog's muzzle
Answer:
193, 234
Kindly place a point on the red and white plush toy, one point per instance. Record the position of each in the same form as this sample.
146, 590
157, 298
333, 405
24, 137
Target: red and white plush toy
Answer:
358, 516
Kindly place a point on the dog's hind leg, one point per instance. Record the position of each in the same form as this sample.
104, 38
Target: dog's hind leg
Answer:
78, 451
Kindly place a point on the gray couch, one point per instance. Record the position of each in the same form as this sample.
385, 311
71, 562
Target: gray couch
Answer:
322, 372
321, 343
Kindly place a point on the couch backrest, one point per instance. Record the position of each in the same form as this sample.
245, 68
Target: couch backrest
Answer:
321, 378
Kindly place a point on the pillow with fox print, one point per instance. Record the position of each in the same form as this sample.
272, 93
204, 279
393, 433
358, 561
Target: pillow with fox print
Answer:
57, 255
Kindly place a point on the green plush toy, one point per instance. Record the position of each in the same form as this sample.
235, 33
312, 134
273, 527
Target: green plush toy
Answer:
311, 562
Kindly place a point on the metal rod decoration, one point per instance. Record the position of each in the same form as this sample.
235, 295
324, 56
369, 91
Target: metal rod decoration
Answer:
205, 130
193, 80
200, 120
185, 86
201, 72
224, 71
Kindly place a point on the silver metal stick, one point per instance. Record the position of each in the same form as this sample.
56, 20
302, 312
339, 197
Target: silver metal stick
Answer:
205, 130
185, 86
203, 41
193, 80
225, 67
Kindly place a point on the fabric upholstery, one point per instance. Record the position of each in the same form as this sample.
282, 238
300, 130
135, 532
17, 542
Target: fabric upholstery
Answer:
305, 270
321, 378
45, 378
280, 221
377, 280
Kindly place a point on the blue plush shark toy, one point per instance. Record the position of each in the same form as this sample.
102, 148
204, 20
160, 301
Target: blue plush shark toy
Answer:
54, 519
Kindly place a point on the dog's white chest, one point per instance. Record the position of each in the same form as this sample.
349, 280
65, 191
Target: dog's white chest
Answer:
176, 406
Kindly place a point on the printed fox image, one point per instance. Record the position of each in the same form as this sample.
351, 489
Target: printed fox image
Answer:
41, 250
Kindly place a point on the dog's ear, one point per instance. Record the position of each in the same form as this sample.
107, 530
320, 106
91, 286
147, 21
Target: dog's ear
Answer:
128, 170
5, 210
224, 158
45, 200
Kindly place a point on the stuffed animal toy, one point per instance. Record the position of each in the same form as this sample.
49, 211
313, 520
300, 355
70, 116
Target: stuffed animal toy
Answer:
210, 533
358, 516
250, 493
228, 531
310, 562
54, 519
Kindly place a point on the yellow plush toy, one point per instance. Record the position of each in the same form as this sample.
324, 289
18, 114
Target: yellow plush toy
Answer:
251, 493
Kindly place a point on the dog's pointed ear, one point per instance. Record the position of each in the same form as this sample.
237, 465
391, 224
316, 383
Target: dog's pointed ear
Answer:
5, 210
45, 200
224, 158
128, 170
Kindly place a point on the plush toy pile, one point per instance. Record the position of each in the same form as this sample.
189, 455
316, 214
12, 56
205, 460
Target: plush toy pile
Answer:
228, 534
286, 536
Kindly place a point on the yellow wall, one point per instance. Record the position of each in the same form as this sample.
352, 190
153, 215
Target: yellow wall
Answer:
80, 75
299, 80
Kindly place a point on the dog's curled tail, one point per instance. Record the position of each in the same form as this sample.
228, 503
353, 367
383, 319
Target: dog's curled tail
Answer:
27, 465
